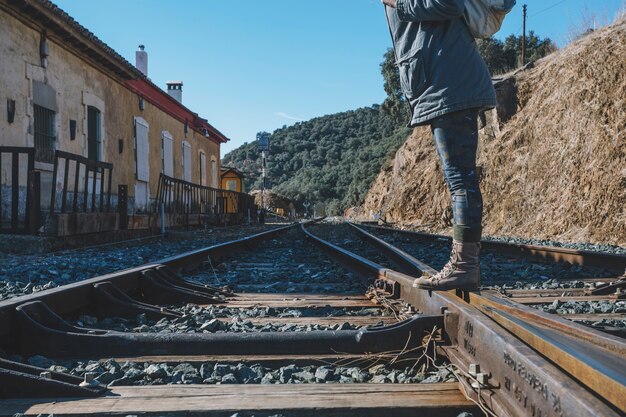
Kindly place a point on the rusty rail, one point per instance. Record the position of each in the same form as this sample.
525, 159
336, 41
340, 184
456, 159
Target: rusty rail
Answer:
76, 296
495, 346
593, 358
611, 261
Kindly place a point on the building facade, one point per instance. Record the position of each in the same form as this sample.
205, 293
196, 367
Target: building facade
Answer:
65, 90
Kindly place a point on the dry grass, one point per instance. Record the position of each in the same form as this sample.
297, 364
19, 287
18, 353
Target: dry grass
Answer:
556, 170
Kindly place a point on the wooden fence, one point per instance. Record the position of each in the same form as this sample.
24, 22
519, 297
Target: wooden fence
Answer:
89, 193
22, 199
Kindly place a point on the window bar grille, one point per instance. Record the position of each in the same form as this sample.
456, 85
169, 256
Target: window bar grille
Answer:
44, 134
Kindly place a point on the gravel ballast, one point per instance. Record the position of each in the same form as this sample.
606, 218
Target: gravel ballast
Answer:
199, 319
113, 373
290, 263
25, 274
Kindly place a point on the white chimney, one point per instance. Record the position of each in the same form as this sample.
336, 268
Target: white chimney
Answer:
141, 60
175, 89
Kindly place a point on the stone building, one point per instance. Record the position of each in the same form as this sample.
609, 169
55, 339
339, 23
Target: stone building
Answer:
63, 89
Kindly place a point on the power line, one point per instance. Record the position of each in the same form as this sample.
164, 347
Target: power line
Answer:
548, 8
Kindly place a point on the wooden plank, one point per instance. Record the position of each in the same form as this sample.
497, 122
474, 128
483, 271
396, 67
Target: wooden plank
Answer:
307, 399
553, 292
86, 189
271, 361
604, 279
595, 317
1, 152
249, 300
76, 177
296, 296
549, 300
15, 189
66, 173
250, 288
301, 303
326, 321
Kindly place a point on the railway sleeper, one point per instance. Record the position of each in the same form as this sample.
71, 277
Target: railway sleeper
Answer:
18, 380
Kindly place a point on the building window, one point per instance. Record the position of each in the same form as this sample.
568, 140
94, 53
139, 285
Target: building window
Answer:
231, 185
94, 134
44, 134
202, 168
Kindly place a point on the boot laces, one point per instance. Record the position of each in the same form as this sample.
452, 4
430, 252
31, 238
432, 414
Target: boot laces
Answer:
449, 267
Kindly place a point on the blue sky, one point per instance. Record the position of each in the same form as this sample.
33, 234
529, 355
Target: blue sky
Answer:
252, 65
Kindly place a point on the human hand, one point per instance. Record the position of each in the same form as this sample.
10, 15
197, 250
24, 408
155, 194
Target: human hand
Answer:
390, 3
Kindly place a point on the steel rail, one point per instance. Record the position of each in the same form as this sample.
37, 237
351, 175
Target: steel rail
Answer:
595, 358
508, 375
493, 300
73, 297
612, 261
36, 328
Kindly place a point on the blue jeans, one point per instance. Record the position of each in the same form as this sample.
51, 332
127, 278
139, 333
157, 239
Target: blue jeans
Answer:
456, 139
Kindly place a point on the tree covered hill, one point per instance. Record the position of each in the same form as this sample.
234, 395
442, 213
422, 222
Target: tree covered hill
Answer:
331, 159
335, 158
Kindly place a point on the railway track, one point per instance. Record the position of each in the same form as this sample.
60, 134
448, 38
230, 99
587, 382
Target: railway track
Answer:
298, 336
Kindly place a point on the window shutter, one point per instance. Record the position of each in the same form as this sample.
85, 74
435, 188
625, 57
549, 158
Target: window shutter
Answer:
202, 169
168, 155
143, 162
213, 173
186, 161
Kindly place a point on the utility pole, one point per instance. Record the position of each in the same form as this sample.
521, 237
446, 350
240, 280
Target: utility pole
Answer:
264, 146
524, 36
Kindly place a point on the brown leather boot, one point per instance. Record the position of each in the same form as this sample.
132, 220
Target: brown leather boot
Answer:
461, 272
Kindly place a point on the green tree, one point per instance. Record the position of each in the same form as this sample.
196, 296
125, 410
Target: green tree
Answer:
505, 56
394, 105
331, 159
492, 51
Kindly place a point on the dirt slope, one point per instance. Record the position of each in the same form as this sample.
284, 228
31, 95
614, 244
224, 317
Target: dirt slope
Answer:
556, 169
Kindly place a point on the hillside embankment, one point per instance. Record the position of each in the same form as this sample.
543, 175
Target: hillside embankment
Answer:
552, 156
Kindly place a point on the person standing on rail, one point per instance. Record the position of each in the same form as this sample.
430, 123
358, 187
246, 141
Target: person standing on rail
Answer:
446, 83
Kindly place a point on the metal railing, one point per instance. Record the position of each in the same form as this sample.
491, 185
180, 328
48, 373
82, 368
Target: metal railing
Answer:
181, 197
88, 193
